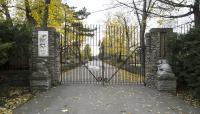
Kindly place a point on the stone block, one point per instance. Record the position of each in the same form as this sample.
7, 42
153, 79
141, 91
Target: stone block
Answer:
40, 84
166, 85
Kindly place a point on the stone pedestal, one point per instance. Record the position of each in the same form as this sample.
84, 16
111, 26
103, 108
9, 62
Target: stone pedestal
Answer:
40, 78
166, 82
166, 85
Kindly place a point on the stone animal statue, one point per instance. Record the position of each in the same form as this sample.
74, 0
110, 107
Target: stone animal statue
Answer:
164, 69
166, 80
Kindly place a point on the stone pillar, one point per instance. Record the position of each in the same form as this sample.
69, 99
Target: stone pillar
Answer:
156, 48
45, 59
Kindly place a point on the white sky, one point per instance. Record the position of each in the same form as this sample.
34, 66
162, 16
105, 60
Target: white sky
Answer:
91, 5
100, 17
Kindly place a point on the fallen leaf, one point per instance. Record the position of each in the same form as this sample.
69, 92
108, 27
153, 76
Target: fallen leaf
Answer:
64, 110
76, 98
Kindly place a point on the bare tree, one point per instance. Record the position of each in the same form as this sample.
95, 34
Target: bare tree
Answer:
192, 6
169, 8
141, 10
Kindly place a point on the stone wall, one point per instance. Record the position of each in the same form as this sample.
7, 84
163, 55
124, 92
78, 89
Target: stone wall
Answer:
155, 50
39, 79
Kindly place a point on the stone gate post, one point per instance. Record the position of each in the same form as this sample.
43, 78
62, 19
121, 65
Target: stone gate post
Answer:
156, 49
45, 58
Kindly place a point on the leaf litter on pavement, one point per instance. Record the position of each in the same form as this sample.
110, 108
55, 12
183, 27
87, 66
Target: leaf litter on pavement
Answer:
16, 96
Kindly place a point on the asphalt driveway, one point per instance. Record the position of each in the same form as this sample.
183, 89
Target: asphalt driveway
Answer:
98, 99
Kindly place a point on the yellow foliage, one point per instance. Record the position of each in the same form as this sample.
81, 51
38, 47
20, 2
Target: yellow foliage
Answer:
56, 12
16, 97
114, 45
5, 111
115, 39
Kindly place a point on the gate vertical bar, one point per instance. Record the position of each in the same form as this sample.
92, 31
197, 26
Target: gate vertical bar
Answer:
103, 63
97, 43
61, 64
65, 41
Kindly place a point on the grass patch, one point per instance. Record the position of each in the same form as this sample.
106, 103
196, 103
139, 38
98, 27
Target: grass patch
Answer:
126, 76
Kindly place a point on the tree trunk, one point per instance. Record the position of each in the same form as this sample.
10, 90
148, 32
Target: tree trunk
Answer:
142, 35
197, 13
46, 14
29, 18
127, 36
142, 44
6, 12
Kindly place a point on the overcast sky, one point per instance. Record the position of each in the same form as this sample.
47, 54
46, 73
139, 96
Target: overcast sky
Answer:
92, 6
100, 17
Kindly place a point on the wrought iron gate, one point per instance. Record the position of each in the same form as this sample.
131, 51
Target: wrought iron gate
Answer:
101, 55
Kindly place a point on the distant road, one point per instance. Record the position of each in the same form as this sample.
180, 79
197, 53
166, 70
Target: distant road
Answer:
82, 74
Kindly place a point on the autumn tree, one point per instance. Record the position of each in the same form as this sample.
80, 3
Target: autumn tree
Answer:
4, 9
115, 38
28, 13
75, 33
87, 55
46, 13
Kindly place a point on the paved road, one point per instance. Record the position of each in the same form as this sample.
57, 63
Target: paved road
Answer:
98, 99
96, 67
89, 99
84, 75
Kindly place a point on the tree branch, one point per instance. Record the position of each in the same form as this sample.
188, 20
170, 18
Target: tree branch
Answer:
155, 14
149, 5
16, 7
171, 3
136, 11
170, 16
133, 7
2, 11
